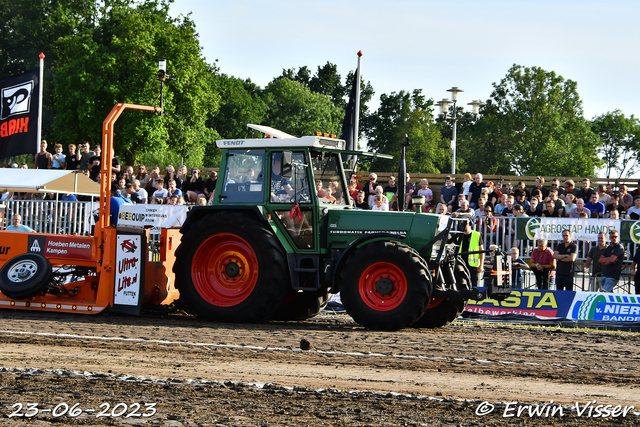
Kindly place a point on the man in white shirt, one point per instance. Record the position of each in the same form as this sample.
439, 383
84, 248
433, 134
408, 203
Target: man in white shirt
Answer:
141, 191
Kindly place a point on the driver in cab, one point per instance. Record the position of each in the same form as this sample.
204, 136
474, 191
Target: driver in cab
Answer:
281, 190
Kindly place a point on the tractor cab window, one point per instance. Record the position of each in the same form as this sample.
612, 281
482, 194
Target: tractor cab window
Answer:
294, 187
243, 177
328, 178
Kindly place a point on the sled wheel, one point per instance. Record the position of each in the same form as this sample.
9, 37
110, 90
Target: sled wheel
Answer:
25, 276
299, 306
385, 286
230, 267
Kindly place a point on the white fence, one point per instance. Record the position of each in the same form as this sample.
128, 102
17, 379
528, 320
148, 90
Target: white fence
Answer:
53, 217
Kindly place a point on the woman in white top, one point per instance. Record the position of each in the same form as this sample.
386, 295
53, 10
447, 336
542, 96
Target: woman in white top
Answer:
569, 203
378, 204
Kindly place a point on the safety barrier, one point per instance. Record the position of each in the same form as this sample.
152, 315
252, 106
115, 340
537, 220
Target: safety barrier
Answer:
52, 216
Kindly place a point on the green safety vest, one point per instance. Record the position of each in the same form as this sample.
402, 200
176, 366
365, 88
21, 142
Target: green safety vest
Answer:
474, 245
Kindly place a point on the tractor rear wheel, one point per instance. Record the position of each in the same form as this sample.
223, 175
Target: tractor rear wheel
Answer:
231, 268
299, 306
25, 276
385, 285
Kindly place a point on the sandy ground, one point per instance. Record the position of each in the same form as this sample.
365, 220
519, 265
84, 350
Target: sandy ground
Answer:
176, 370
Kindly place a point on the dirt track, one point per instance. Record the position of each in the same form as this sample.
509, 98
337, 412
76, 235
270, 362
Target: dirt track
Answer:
201, 373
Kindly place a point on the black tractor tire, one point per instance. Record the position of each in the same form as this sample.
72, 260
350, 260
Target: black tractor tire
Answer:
298, 306
385, 285
441, 312
25, 276
231, 268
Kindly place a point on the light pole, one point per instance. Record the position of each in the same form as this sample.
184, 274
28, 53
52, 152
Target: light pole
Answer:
162, 76
452, 116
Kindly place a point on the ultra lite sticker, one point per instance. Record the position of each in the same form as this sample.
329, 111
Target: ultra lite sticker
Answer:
127, 290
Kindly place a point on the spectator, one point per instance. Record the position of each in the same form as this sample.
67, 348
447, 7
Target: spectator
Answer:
586, 191
470, 241
360, 203
612, 259
115, 163
508, 211
570, 187
626, 199
521, 201
116, 202
555, 185
209, 185
128, 175
594, 255
94, 163
553, 196
522, 190
171, 174
336, 191
466, 184
565, 255
542, 262
427, 193
502, 205
142, 176
352, 189
517, 264
475, 189
482, 201
636, 192
391, 188
575, 212
492, 197
615, 205
569, 203
370, 187
603, 197
442, 209
160, 195
411, 188
597, 209
634, 268
449, 193
379, 204
540, 187
133, 194
464, 211
84, 155
634, 211
72, 161
172, 200
319, 190
142, 193
614, 214
43, 159
378, 192
183, 183
195, 185
174, 190
202, 200
551, 211
17, 226
58, 160
518, 212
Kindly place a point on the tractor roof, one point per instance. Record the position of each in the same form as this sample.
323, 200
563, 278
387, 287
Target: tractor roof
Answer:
278, 139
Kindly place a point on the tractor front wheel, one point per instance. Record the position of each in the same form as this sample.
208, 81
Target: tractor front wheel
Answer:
385, 285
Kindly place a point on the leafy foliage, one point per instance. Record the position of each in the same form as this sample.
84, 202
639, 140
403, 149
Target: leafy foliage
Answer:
620, 138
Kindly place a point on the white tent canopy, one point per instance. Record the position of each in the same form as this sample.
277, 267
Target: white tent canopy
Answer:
47, 181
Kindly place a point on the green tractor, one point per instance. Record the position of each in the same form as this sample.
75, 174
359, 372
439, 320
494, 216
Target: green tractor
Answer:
276, 245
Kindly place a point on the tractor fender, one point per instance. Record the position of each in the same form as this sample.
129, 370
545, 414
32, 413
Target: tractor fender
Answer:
199, 212
369, 238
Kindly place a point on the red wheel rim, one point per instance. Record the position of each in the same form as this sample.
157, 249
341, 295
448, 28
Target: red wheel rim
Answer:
383, 286
224, 270
434, 302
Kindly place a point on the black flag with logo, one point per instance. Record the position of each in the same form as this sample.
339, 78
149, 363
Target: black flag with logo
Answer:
19, 114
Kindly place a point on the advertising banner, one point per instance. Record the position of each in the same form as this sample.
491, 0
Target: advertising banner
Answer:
528, 302
127, 289
605, 306
586, 229
155, 216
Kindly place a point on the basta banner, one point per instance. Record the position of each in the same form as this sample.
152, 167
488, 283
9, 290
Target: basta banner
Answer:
19, 114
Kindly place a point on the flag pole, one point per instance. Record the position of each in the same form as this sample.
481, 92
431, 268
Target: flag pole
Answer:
356, 127
40, 85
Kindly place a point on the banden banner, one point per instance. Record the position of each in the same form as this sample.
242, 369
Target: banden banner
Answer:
19, 114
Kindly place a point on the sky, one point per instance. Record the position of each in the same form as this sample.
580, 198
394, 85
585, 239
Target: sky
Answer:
431, 45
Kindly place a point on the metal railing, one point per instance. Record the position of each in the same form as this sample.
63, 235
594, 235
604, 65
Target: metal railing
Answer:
501, 231
52, 217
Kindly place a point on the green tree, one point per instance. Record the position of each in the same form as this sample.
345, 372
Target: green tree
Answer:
240, 103
407, 113
620, 138
116, 61
293, 108
534, 121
